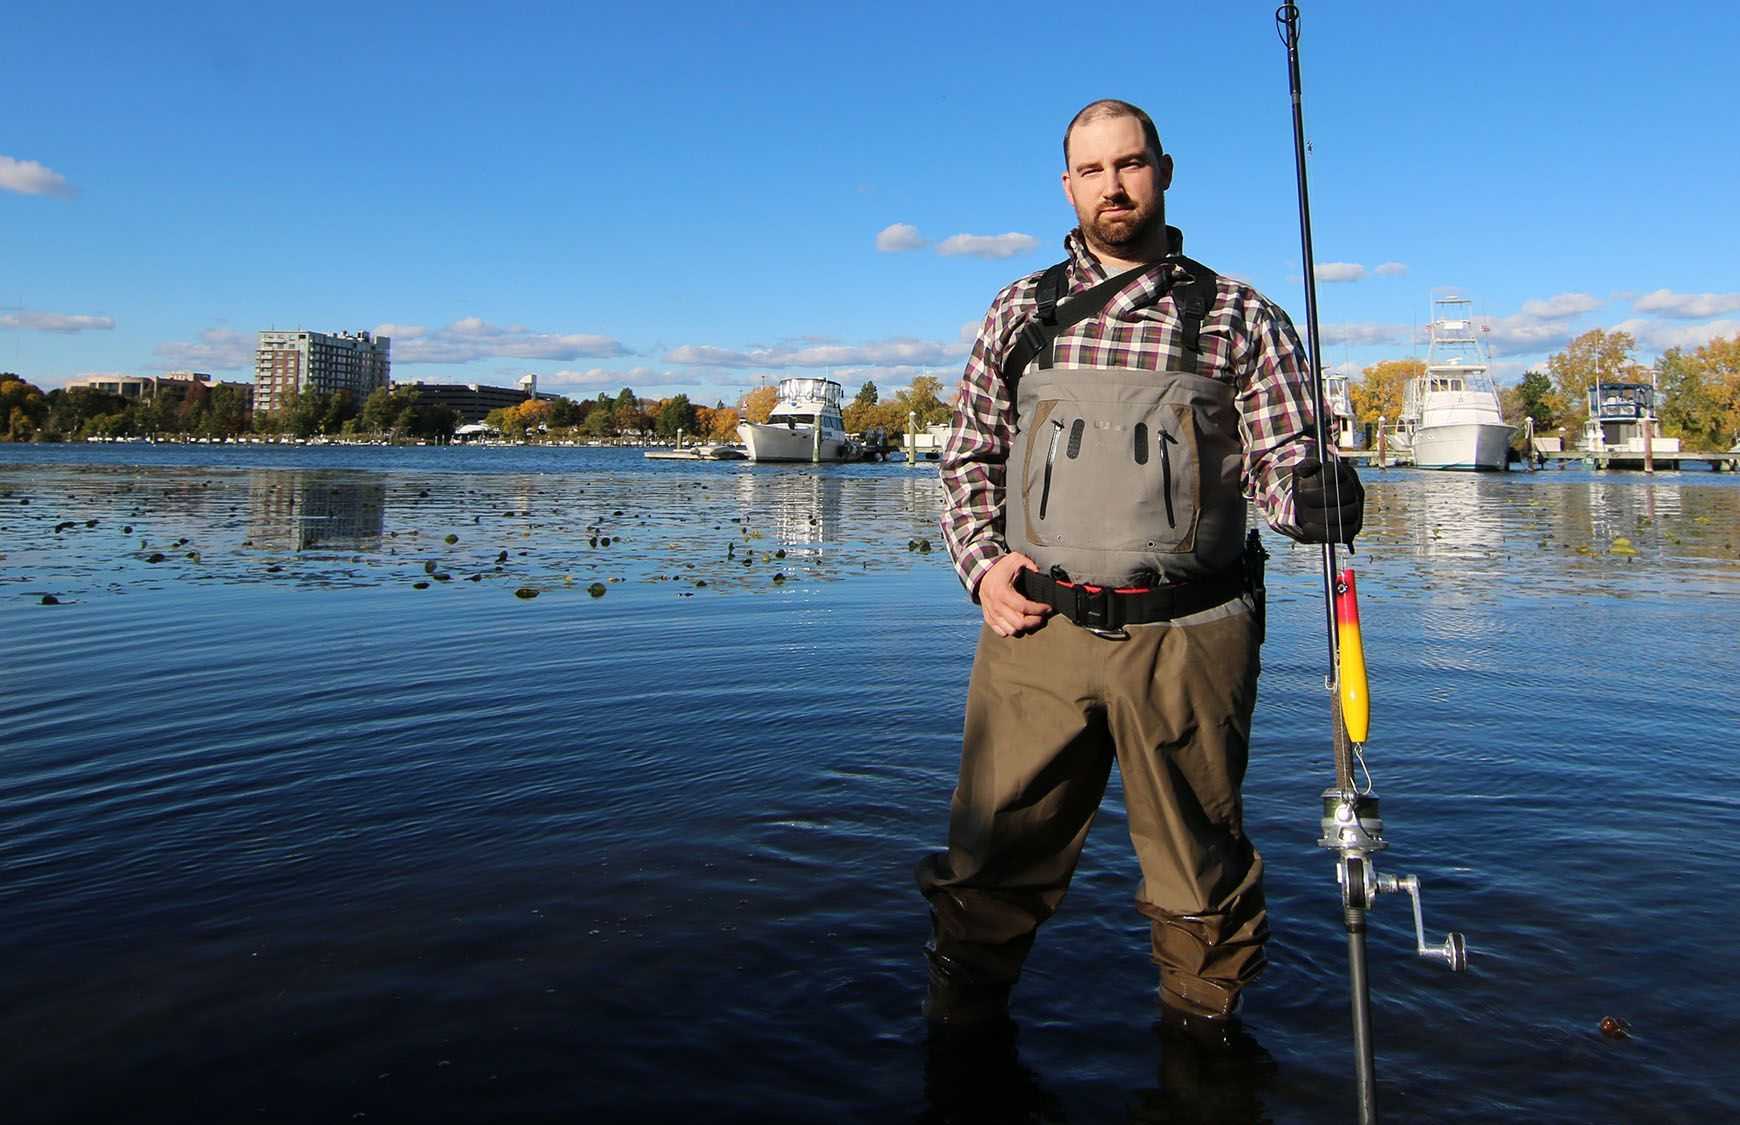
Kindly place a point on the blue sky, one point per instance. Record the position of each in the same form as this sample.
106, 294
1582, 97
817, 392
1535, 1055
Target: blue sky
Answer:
690, 197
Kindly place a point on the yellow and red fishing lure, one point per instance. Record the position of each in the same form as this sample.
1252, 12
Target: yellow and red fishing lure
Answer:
1355, 702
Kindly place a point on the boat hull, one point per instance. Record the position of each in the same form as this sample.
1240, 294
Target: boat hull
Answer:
1466, 446
768, 442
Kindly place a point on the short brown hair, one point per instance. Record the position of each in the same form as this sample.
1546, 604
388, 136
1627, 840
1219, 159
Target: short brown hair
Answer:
1112, 107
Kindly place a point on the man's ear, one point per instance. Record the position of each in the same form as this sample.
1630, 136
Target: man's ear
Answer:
1164, 168
1068, 191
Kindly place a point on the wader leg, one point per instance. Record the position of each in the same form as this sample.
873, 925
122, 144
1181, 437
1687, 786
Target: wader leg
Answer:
1034, 764
1179, 705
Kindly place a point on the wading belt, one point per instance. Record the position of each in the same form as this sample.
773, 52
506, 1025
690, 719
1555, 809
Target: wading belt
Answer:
1097, 607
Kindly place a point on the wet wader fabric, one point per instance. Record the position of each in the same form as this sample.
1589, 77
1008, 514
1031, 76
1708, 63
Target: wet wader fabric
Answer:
1046, 715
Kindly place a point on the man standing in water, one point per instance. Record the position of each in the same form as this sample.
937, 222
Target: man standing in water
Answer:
1115, 415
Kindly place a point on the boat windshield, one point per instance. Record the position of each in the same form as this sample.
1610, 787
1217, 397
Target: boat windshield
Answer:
792, 419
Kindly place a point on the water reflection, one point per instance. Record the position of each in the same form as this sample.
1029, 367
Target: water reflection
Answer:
1220, 1083
304, 511
974, 1076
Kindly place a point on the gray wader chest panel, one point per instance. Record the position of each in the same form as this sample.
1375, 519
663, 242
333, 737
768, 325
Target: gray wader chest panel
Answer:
1123, 477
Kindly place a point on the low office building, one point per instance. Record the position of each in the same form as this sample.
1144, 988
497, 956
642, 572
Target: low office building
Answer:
298, 361
472, 401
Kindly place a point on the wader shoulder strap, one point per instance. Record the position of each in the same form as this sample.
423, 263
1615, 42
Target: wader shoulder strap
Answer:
1193, 297
1051, 319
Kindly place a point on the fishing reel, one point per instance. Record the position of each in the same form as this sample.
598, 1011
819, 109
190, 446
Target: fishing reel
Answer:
1353, 827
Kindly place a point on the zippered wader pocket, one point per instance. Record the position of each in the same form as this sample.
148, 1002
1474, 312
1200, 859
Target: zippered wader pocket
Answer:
1113, 476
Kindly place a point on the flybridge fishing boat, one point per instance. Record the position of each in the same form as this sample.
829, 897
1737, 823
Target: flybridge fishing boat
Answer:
1622, 420
1450, 415
805, 425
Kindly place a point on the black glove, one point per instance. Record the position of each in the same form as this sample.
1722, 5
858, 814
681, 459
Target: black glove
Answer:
1327, 505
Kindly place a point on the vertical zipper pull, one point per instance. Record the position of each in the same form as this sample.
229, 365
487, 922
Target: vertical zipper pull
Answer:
1167, 440
1050, 458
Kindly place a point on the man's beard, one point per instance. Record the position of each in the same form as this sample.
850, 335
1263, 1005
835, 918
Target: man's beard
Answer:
1128, 230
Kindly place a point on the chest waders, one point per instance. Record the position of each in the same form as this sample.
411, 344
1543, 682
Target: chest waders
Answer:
1351, 825
1123, 483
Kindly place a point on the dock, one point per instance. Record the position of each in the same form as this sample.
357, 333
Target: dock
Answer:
1725, 462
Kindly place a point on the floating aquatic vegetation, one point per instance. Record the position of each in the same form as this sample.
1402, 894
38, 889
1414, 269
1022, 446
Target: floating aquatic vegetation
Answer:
596, 589
525, 592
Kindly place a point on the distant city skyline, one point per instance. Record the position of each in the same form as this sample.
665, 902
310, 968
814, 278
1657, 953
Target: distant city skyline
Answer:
693, 203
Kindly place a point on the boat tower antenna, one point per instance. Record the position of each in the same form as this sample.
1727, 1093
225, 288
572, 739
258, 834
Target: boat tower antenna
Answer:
1352, 828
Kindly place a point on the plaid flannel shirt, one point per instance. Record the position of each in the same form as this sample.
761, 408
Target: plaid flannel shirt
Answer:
1246, 341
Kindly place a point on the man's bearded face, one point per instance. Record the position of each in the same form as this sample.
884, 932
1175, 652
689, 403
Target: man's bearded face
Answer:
1117, 184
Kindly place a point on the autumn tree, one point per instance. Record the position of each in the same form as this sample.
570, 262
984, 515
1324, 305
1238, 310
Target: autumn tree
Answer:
1701, 393
759, 403
858, 416
924, 398
721, 424
1595, 355
1381, 388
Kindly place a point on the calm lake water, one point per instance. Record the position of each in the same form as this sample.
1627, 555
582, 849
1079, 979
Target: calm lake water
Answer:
284, 837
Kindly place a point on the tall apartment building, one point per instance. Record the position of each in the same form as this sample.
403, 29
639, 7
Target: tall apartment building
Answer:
299, 360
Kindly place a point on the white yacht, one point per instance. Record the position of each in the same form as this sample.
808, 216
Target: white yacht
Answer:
1619, 414
1450, 414
805, 425
1345, 432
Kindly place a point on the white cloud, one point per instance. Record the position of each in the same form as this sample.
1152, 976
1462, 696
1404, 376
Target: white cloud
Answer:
57, 322
397, 332
1658, 336
1543, 325
1561, 305
1339, 271
885, 353
27, 177
473, 338
1366, 333
1392, 269
601, 378
1522, 334
898, 237
987, 245
217, 349
1688, 306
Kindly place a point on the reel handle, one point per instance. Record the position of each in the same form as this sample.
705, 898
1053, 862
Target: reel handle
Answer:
1454, 951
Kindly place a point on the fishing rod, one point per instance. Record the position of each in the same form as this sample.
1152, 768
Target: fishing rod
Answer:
1351, 825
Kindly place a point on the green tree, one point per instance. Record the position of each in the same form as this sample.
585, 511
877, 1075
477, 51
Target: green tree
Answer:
340, 408
867, 394
1536, 399
377, 411
564, 411
227, 411
596, 424
676, 413
22, 407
